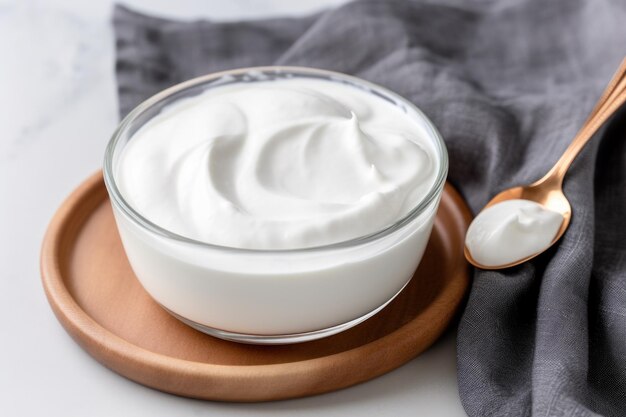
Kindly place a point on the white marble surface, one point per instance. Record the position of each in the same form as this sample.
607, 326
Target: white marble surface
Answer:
57, 110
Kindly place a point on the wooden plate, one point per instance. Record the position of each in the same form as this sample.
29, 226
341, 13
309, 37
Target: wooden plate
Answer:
98, 300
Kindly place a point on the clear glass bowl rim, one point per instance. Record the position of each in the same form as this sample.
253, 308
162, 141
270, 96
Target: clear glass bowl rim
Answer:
142, 222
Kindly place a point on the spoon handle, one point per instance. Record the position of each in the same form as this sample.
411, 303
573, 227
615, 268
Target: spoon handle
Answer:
611, 100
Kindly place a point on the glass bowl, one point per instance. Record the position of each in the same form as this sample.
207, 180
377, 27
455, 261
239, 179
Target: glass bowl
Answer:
272, 296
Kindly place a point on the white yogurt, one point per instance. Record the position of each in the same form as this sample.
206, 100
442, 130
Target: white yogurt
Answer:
259, 168
277, 165
510, 231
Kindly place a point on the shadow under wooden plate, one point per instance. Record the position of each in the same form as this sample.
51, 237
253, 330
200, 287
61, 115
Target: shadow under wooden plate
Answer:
98, 300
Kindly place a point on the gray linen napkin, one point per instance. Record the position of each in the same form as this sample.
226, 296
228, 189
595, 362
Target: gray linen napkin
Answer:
508, 84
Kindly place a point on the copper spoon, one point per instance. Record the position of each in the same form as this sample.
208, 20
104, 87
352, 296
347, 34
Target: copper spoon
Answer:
548, 191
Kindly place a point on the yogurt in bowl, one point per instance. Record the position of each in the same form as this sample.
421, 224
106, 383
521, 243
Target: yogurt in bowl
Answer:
275, 204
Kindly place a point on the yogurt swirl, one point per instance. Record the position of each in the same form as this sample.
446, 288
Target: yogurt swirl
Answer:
280, 164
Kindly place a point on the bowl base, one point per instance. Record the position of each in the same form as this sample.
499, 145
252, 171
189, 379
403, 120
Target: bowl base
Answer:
280, 339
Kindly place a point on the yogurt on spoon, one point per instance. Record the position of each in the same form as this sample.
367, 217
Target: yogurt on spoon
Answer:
510, 231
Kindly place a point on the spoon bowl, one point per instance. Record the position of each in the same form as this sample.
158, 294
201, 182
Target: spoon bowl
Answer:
549, 196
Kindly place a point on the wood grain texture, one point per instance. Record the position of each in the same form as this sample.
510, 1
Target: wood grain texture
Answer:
98, 300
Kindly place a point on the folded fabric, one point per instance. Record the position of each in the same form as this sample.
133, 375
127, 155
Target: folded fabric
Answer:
508, 84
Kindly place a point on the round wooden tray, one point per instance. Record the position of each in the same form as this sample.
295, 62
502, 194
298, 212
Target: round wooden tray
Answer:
98, 300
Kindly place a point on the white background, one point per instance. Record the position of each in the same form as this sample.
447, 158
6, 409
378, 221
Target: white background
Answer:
57, 110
